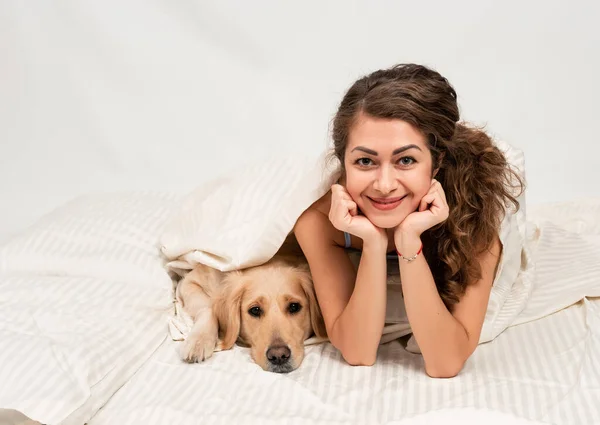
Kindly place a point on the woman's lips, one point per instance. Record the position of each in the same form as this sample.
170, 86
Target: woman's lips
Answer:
386, 204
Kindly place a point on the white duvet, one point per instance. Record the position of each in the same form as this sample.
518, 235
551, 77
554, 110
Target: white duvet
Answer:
546, 370
85, 300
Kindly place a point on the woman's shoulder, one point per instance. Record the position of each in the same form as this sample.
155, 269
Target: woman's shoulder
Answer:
319, 208
314, 223
323, 204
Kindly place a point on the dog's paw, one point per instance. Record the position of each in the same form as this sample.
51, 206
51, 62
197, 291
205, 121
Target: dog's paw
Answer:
197, 348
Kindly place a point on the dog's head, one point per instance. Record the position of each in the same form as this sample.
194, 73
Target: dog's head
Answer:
271, 308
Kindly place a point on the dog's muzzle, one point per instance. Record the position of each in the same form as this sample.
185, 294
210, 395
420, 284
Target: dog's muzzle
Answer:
279, 359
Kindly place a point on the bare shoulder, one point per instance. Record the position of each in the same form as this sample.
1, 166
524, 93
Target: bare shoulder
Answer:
314, 224
323, 204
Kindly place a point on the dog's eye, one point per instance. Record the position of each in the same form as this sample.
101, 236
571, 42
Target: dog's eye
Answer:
294, 308
255, 311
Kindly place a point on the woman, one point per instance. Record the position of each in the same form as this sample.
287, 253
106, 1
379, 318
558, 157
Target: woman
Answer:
416, 183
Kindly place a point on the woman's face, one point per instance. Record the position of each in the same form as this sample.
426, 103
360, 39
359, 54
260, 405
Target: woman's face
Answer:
388, 169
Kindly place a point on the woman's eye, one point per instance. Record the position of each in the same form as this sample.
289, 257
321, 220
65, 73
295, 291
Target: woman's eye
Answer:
294, 308
364, 162
255, 312
407, 160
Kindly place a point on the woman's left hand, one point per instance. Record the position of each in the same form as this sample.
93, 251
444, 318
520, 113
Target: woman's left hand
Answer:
432, 210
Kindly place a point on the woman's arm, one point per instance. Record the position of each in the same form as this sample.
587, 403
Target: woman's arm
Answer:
360, 324
353, 303
446, 339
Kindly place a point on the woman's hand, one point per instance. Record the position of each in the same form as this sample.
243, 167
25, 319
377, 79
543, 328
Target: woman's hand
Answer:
343, 214
432, 210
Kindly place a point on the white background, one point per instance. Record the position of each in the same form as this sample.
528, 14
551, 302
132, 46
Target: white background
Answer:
161, 95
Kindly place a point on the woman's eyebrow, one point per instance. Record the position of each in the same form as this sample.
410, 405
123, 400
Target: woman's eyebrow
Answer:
396, 151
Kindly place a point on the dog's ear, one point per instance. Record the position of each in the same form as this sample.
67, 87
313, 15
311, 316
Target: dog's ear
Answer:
316, 318
227, 308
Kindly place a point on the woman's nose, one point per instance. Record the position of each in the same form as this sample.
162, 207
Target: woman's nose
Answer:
385, 182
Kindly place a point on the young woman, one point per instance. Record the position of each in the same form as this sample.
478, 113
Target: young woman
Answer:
420, 185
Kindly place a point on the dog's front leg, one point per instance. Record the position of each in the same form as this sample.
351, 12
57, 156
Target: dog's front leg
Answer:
202, 339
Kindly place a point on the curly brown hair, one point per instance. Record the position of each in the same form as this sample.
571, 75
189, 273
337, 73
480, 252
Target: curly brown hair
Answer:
476, 177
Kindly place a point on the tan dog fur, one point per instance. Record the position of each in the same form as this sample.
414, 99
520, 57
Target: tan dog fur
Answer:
220, 305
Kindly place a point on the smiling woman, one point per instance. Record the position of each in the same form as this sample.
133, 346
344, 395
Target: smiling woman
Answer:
383, 153
415, 182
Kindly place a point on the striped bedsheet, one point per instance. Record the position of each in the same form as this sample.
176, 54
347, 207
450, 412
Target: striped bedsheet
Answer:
546, 371
84, 297
84, 302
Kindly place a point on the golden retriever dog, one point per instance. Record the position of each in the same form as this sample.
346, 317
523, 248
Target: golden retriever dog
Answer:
271, 308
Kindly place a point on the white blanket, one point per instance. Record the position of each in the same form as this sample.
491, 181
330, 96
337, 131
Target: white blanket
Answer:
546, 371
89, 276
241, 220
84, 302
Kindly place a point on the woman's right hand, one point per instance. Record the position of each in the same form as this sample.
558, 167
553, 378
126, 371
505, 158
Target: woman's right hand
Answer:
344, 216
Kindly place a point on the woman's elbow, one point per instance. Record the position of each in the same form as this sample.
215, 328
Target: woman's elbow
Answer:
354, 359
444, 371
353, 352
358, 355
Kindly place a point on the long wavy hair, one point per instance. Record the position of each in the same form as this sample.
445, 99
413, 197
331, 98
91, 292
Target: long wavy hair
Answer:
477, 179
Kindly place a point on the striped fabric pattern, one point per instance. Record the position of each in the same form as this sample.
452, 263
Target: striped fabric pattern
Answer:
567, 269
242, 219
104, 235
66, 343
84, 301
546, 371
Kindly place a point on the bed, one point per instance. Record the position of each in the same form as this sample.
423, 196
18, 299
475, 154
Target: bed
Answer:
545, 371
99, 100
85, 301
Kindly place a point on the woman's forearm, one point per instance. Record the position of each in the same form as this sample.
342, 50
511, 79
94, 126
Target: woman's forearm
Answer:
357, 331
442, 340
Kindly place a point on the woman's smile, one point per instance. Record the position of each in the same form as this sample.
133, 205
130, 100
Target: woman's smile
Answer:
386, 204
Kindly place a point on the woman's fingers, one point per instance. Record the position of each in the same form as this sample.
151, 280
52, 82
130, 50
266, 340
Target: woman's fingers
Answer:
438, 187
426, 200
341, 199
441, 191
439, 205
433, 198
342, 209
351, 207
339, 192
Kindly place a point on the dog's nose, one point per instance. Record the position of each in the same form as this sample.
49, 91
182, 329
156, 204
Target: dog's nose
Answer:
278, 355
